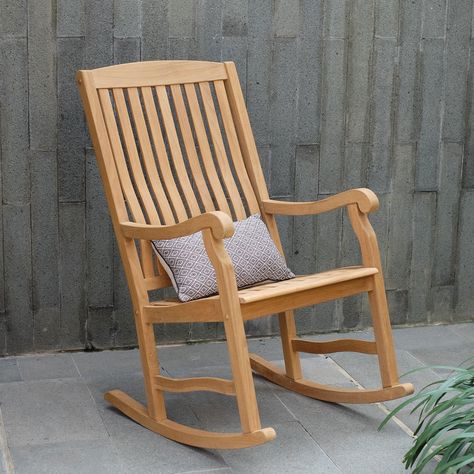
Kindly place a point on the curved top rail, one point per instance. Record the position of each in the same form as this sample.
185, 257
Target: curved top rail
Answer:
157, 73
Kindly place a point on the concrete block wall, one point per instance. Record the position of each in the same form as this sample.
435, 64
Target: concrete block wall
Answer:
341, 93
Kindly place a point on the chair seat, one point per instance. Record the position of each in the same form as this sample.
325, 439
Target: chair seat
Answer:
269, 297
268, 290
303, 282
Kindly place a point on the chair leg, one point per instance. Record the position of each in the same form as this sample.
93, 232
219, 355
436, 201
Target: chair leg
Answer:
154, 417
149, 359
292, 379
383, 333
287, 333
155, 409
242, 373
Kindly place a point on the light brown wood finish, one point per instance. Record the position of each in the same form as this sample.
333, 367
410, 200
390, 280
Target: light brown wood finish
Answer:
162, 159
194, 384
326, 392
185, 434
204, 148
190, 146
336, 345
220, 153
365, 199
164, 177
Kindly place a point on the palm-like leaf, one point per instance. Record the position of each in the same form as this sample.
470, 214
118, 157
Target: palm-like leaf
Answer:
446, 423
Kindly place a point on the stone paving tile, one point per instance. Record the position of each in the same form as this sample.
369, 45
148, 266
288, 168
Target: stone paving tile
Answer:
349, 435
445, 356
9, 370
464, 330
118, 424
78, 457
423, 337
58, 418
364, 369
293, 450
49, 412
147, 452
92, 364
40, 367
211, 354
218, 412
6, 462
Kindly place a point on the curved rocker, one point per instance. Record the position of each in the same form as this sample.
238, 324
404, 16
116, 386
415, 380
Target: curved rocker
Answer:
185, 434
327, 393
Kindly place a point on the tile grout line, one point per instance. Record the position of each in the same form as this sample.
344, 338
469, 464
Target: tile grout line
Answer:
379, 405
4, 449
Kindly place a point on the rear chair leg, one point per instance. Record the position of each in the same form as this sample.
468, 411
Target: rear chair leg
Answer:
288, 332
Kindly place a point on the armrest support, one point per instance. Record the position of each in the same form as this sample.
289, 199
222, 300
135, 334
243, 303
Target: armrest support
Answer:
218, 222
365, 199
215, 226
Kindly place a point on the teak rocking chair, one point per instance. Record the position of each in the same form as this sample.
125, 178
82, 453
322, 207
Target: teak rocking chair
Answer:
177, 156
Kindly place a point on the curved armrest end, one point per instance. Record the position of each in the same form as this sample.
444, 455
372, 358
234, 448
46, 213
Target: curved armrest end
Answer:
366, 200
221, 224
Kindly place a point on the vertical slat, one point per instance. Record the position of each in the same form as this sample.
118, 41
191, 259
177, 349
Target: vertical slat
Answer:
220, 152
162, 155
147, 154
234, 147
119, 158
133, 157
125, 181
175, 150
141, 184
204, 148
190, 146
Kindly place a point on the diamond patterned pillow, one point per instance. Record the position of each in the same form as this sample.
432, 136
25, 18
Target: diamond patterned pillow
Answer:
251, 249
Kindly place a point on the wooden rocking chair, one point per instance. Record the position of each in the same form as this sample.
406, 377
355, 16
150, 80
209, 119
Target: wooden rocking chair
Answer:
177, 156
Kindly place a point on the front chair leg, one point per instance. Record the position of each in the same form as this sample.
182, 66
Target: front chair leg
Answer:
242, 373
383, 333
235, 335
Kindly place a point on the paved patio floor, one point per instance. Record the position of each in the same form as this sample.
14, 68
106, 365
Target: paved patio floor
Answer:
54, 420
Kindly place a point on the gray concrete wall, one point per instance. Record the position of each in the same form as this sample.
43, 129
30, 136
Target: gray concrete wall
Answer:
341, 93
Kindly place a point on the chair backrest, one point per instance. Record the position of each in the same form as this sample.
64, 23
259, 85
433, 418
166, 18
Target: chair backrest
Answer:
172, 140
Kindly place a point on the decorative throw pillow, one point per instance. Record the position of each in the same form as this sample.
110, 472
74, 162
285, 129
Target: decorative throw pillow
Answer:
251, 249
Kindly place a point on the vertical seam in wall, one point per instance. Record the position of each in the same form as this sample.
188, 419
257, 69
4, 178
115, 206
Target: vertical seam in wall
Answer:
322, 82
467, 132
372, 69
394, 117
58, 227
434, 237
29, 166
113, 330
2, 246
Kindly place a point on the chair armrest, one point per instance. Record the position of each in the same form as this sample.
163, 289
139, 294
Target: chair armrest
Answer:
365, 199
218, 222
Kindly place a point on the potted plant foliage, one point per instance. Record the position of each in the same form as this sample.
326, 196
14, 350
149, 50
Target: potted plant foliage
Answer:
445, 430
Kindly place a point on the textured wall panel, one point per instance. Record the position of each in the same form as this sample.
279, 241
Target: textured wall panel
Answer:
340, 93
